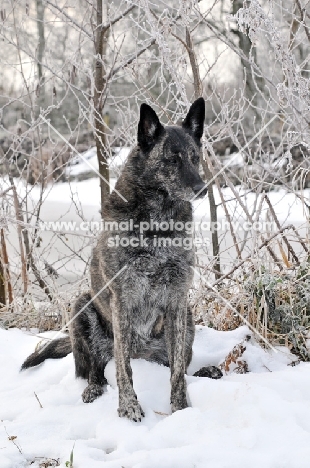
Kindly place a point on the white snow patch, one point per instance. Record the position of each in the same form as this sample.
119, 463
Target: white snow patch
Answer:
87, 161
261, 419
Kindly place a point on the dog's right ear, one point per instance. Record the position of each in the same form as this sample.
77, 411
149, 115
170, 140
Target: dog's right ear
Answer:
195, 118
149, 128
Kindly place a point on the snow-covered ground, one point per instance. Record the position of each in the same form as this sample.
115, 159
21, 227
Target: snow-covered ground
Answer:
260, 419
87, 162
80, 200
76, 201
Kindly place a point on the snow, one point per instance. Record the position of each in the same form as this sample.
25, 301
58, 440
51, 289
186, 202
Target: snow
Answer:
85, 162
260, 419
288, 207
76, 200
235, 159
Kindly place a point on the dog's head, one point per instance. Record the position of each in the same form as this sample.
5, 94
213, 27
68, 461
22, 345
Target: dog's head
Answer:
168, 157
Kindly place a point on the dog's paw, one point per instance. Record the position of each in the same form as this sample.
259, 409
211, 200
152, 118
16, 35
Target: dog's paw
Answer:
92, 392
131, 410
212, 372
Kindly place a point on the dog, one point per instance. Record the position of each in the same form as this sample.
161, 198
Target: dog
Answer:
137, 306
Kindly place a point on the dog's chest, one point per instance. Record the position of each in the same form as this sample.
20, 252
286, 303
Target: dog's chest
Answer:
161, 267
151, 281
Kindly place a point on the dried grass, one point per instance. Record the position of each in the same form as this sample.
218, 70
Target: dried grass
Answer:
275, 303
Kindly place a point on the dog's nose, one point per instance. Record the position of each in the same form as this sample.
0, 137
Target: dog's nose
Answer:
200, 189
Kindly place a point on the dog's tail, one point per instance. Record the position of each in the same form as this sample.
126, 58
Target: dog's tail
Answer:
56, 349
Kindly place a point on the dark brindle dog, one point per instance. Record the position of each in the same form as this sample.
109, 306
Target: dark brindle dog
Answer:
143, 313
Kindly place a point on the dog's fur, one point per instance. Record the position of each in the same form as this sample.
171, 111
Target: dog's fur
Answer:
143, 313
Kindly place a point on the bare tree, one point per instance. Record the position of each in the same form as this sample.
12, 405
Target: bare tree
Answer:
72, 80
40, 50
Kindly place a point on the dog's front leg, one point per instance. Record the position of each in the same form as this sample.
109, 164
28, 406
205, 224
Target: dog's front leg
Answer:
175, 332
128, 403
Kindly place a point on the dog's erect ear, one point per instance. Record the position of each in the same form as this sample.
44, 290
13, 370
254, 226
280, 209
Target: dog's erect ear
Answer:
149, 128
195, 118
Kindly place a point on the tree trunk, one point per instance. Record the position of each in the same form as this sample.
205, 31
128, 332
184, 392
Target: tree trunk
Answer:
2, 285
40, 50
101, 41
207, 171
245, 44
5, 272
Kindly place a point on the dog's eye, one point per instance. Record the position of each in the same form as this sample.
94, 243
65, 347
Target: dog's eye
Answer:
195, 157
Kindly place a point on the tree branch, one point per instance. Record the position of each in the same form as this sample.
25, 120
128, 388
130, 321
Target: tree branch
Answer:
131, 59
62, 11
303, 14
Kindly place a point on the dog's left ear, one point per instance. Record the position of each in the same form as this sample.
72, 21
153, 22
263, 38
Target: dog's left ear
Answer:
149, 127
195, 118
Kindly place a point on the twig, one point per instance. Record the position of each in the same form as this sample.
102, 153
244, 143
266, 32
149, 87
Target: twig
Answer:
5, 259
250, 257
19, 217
5, 191
12, 439
290, 248
62, 11
119, 17
23, 235
194, 65
130, 59
303, 13
38, 399
250, 218
228, 218
213, 216
300, 240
